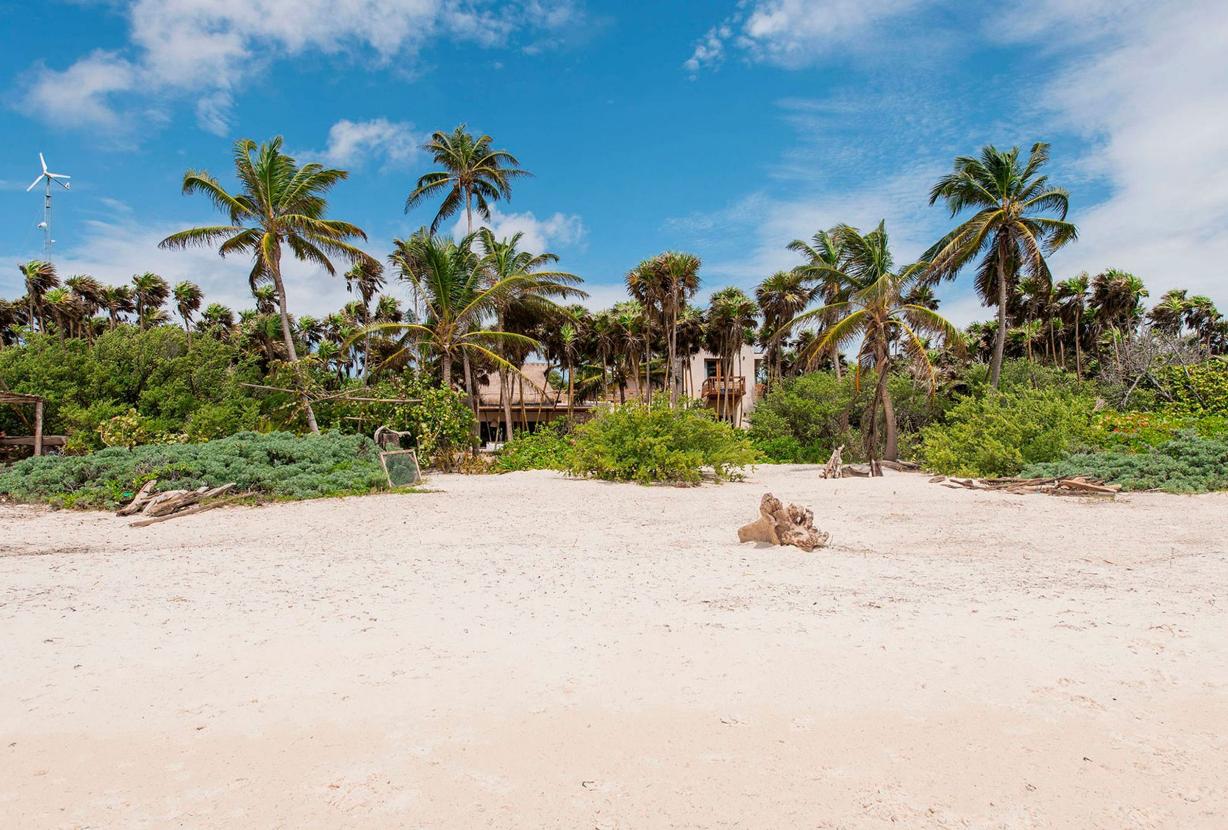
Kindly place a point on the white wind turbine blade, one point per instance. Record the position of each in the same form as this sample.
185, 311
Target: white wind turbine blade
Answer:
43, 162
34, 185
59, 176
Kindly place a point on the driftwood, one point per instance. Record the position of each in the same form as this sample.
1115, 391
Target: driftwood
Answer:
1070, 485
874, 468
142, 498
172, 503
780, 525
901, 466
832, 468
200, 507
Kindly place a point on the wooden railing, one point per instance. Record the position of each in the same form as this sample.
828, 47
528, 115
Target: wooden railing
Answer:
733, 386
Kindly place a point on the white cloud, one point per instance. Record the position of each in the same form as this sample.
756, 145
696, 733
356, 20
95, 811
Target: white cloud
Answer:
795, 33
1151, 95
208, 47
351, 143
549, 234
79, 95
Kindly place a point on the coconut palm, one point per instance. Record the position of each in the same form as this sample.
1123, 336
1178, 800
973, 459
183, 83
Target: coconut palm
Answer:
216, 319
822, 255
12, 317
1008, 233
730, 326
458, 299
879, 316
188, 298
88, 292
1072, 302
781, 297
473, 175
1117, 297
280, 203
671, 278
40, 277
1204, 319
65, 309
117, 300
367, 278
533, 296
1169, 314
150, 292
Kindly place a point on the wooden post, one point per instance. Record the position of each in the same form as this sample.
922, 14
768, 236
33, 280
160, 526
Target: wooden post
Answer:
38, 428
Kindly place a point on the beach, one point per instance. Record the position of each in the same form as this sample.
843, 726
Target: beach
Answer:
528, 650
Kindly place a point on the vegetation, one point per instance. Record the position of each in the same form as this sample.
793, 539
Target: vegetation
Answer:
278, 465
852, 348
1189, 464
653, 443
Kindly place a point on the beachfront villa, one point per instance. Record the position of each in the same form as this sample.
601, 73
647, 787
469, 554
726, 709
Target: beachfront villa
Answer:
533, 400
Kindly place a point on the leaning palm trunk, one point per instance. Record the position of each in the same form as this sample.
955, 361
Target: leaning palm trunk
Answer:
999, 345
288, 337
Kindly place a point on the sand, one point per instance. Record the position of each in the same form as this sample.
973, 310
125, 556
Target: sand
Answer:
531, 651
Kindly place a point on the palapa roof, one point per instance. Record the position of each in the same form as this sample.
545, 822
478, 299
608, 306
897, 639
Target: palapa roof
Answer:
537, 390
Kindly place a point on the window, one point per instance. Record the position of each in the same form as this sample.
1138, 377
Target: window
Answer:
710, 367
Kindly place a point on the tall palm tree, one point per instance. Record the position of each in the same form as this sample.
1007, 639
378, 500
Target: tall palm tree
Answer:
731, 325
822, 255
1204, 318
458, 299
1072, 300
781, 297
666, 282
88, 292
279, 203
1009, 232
1117, 297
367, 278
117, 300
40, 277
532, 296
1169, 314
151, 292
188, 298
12, 316
878, 314
473, 175
217, 319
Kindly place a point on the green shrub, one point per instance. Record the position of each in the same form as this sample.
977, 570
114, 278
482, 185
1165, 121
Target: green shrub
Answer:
1198, 390
278, 465
548, 448
998, 433
650, 444
1142, 431
1189, 464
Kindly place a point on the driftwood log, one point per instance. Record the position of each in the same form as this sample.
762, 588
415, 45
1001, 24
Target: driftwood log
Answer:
1071, 485
780, 525
832, 468
142, 498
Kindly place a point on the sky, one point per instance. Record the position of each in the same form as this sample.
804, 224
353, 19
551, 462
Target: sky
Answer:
726, 128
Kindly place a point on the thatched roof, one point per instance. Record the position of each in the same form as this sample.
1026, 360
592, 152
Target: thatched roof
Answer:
537, 390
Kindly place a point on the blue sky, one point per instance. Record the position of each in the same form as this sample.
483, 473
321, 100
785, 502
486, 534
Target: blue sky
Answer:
723, 128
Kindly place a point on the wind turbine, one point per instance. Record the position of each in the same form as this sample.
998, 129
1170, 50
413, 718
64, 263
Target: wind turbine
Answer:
47, 177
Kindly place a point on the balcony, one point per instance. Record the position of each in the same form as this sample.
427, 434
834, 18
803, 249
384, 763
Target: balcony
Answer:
733, 386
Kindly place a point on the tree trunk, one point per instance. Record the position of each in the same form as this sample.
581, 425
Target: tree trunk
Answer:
1078, 336
288, 336
505, 400
472, 388
891, 451
999, 346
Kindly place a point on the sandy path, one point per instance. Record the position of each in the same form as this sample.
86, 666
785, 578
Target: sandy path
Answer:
528, 651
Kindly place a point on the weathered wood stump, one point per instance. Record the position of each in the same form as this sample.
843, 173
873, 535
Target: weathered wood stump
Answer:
780, 525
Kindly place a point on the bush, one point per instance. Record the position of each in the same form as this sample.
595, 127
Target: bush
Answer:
278, 465
1189, 464
1000, 432
1201, 389
650, 444
548, 448
1143, 431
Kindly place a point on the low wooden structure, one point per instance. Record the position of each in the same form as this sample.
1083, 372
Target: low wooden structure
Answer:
37, 440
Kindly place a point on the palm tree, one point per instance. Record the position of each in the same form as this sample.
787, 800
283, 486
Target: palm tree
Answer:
1204, 318
216, 318
117, 300
781, 297
279, 203
367, 278
731, 325
40, 278
1009, 231
88, 292
667, 281
1117, 297
458, 299
822, 255
474, 175
151, 292
533, 296
1072, 300
1169, 314
879, 314
188, 298
65, 308
12, 316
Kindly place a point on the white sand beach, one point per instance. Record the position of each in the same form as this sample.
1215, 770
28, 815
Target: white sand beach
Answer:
531, 651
